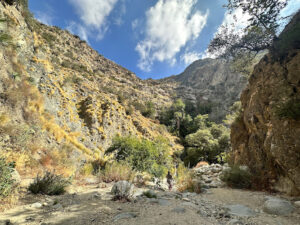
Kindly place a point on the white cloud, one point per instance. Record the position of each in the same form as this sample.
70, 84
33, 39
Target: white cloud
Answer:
134, 24
93, 14
121, 11
76, 28
190, 57
44, 18
170, 25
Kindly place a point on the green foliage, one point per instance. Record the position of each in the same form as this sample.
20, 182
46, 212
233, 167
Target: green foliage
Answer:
5, 38
149, 194
31, 80
74, 66
49, 184
116, 171
72, 79
146, 109
66, 63
49, 38
235, 113
289, 110
207, 143
142, 155
129, 109
237, 178
121, 98
69, 55
6, 180
185, 180
202, 139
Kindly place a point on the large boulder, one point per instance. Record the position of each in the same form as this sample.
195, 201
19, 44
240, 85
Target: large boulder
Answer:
278, 206
240, 210
123, 190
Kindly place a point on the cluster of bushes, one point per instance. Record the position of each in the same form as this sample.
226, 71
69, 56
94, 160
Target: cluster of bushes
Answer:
49, 184
75, 66
147, 109
6, 179
142, 155
237, 177
116, 172
185, 180
203, 139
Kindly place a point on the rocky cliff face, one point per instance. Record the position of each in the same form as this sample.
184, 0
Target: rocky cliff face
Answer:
208, 81
266, 136
61, 102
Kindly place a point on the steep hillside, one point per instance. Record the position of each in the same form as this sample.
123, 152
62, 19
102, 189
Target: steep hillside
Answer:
61, 103
208, 82
266, 135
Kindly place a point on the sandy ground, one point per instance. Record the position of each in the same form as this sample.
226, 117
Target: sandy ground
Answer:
85, 205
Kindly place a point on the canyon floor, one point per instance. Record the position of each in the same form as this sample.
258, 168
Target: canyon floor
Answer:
93, 204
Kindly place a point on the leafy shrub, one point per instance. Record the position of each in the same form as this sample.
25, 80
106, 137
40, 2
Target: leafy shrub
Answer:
186, 182
141, 154
5, 38
49, 184
237, 178
116, 172
49, 38
146, 109
6, 180
150, 194
207, 144
129, 109
289, 110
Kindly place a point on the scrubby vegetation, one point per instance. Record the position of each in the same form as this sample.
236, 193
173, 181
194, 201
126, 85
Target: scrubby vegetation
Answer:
185, 180
289, 110
147, 109
237, 177
49, 184
6, 179
149, 194
142, 155
203, 139
116, 172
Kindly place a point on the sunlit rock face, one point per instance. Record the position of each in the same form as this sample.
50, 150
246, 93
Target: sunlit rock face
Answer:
266, 136
208, 81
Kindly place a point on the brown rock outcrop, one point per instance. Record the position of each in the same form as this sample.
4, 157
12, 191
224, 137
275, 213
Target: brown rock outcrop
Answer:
266, 136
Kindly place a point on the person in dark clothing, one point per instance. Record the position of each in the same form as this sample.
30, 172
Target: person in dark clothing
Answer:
169, 180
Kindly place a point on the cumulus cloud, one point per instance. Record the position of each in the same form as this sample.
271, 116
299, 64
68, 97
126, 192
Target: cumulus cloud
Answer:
93, 14
170, 25
190, 57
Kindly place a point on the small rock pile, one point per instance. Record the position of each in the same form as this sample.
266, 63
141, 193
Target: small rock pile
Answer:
209, 175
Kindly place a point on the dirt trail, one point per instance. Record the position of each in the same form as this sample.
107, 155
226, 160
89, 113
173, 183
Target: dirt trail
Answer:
85, 205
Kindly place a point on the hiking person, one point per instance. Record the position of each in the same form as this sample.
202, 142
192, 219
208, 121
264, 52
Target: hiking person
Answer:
169, 180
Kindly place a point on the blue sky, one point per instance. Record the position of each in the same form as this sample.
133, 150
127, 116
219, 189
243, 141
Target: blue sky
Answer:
152, 38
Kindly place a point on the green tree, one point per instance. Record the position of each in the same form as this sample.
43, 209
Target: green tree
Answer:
242, 47
142, 154
208, 143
